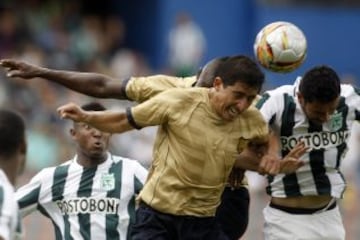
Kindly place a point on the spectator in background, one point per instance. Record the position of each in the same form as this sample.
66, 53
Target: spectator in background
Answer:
186, 46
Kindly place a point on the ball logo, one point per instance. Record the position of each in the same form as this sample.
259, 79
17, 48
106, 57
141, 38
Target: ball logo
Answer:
107, 181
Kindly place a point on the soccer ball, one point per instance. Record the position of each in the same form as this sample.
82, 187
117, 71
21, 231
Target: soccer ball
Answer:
280, 47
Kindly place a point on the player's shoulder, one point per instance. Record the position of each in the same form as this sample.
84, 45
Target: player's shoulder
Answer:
126, 160
180, 94
189, 81
159, 79
348, 90
47, 172
252, 124
276, 98
252, 114
281, 90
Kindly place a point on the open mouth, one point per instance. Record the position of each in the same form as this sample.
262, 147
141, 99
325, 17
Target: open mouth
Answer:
233, 112
98, 145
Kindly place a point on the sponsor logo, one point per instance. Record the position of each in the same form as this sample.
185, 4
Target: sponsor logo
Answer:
316, 140
88, 205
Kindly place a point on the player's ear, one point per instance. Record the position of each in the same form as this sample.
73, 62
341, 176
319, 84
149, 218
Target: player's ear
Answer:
300, 97
72, 132
217, 83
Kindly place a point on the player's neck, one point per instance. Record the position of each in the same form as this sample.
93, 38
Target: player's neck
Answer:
90, 162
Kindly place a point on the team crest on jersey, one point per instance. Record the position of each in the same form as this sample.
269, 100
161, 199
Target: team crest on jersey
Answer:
336, 121
107, 181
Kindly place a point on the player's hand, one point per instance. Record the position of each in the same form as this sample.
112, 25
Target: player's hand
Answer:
73, 112
291, 162
235, 178
20, 69
269, 164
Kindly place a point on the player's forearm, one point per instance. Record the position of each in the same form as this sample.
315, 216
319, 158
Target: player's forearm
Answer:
92, 84
109, 121
261, 163
247, 161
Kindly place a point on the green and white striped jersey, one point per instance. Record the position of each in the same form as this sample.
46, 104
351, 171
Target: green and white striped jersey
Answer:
86, 203
328, 143
9, 210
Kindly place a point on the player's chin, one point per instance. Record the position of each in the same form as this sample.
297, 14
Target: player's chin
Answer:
229, 117
317, 122
98, 151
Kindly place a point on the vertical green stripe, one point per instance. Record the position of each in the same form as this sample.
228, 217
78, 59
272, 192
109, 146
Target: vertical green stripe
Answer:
18, 229
85, 190
344, 109
57, 191
317, 164
137, 185
59, 180
112, 220
1, 199
131, 206
357, 115
290, 181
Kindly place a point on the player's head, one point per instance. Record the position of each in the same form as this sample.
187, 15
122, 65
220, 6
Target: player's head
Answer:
237, 81
12, 141
319, 93
90, 141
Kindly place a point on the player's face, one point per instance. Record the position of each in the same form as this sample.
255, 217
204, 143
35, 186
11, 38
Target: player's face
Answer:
318, 112
91, 141
232, 100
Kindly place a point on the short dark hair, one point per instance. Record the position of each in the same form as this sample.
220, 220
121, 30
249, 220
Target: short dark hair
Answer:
12, 132
241, 68
93, 106
320, 83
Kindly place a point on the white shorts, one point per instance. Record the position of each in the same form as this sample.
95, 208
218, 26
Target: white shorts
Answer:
280, 225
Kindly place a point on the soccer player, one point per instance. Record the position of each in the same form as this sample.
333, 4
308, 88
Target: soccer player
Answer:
12, 161
202, 134
319, 111
91, 196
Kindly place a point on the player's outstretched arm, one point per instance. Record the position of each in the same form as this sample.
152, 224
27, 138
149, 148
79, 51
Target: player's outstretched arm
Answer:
255, 158
262, 157
92, 84
106, 121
